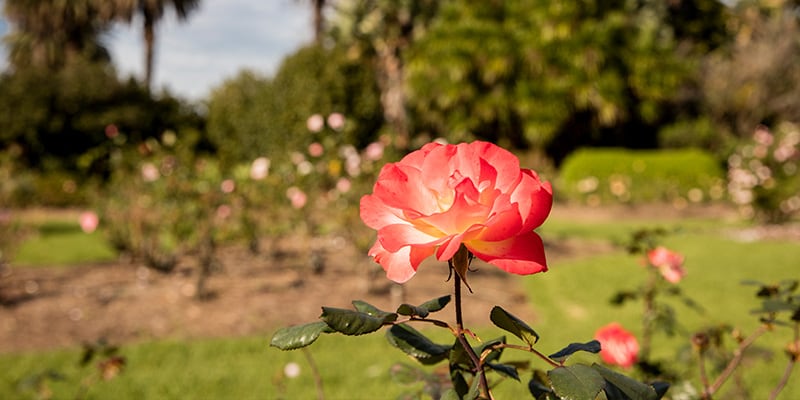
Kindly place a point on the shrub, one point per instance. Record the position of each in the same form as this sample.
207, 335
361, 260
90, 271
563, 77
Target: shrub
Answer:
762, 174
608, 175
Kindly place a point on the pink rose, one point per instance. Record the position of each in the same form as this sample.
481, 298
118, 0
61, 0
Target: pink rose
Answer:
315, 123
297, 197
89, 221
619, 347
315, 149
336, 121
668, 262
442, 196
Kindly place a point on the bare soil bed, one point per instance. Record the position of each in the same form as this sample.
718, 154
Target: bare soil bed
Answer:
123, 302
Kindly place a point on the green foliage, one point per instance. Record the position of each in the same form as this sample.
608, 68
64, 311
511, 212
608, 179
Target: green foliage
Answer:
602, 176
66, 246
62, 120
251, 116
550, 75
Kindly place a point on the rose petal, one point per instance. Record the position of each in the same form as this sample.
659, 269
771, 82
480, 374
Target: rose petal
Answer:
522, 255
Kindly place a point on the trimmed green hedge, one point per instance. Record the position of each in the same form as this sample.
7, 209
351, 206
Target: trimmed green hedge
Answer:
611, 175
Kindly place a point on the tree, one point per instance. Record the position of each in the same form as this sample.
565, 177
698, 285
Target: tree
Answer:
151, 12
384, 30
51, 33
549, 74
756, 79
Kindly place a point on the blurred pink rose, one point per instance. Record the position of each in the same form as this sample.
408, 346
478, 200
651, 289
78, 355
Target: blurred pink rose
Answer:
336, 121
619, 347
668, 262
89, 221
150, 172
315, 123
259, 169
343, 185
315, 149
227, 186
442, 196
224, 211
374, 151
297, 197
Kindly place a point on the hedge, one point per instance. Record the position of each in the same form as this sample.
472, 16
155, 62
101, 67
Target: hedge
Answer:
612, 175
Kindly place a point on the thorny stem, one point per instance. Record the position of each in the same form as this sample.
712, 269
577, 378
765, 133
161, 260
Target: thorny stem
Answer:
789, 367
734, 363
484, 383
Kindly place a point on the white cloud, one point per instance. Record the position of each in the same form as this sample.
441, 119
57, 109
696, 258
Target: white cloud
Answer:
217, 41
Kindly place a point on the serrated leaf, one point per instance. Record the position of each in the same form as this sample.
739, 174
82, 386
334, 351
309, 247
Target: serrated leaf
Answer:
561, 355
629, 386
506, 370
576, 382
504, 320
295, 337
373, 311
416, 345
350, 322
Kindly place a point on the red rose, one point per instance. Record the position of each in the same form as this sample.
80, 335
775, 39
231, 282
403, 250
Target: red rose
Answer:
619, 347
668, 262
442, 196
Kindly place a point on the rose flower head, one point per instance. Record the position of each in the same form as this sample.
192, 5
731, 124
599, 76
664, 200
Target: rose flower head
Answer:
618, 346
668, 262
442, 196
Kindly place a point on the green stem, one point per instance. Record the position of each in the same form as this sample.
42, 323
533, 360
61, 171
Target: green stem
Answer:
484, 383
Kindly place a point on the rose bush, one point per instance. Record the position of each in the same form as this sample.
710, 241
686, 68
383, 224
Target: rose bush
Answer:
442, 196
619, 347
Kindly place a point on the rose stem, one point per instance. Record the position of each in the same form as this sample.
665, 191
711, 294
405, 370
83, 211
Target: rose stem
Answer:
460, 325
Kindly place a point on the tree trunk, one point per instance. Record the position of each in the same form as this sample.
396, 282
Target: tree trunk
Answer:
392, 86
149, 44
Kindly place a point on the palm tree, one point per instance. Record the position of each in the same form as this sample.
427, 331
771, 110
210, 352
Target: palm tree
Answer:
50, 33
152, 11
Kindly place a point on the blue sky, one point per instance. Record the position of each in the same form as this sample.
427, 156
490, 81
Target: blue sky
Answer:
217, 41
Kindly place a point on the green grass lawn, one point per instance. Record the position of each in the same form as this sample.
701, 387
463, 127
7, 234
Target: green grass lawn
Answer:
55, 243
571, 301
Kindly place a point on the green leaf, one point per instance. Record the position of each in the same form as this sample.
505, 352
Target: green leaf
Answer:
415, 344
660, 388
495, 353
350, 322
435, 304
629, 386
509, 371
373, 311
475, 387
425, 308
510, 323
408, 309
450, 394
561, 355
295, 337
576, 382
